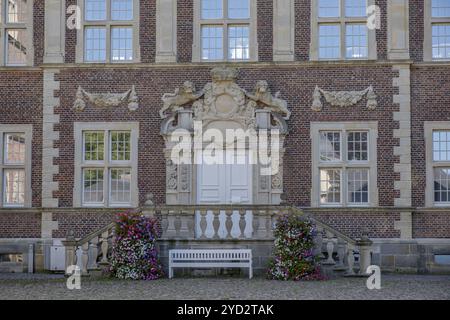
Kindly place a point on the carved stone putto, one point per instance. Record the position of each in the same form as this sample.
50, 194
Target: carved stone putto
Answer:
344, 98
106, 100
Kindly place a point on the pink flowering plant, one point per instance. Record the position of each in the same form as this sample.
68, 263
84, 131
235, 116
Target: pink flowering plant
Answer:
134, 254
294, 257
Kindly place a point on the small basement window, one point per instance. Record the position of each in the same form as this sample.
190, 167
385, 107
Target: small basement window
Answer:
442, 259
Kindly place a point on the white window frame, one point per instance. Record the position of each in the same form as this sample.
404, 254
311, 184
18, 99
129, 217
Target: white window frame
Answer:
429, 21
27, 130
372, 128
27, 26
108, 24
342, 20
225, 23
107, 164
429, 128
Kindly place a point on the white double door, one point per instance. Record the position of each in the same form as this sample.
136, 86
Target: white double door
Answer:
227, 183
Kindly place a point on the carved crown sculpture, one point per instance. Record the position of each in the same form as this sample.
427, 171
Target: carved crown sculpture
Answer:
343, 98
224, 99
106, 100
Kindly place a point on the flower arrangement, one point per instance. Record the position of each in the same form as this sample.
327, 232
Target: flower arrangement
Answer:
294, 257
134, 254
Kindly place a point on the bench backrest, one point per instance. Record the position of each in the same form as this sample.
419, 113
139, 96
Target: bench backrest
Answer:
210, 255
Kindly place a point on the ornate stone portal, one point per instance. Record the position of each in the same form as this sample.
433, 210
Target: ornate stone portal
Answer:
222, 105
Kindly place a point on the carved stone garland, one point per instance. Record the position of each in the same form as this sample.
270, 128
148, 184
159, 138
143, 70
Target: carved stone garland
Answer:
106, 100
343, 98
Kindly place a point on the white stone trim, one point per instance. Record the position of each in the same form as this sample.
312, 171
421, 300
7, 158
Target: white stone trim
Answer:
253, 37
48, 225
398, 29
404, 225
166, 31
79, 127
55, 31
283, 30
429, 127
403, 133
372, 128
427, 32
49, 137
28, 26
108, 23
27, 129
342, 20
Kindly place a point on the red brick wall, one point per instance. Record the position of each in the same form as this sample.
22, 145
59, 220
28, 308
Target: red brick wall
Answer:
265, 30
38, 31
431, 224
185, 30
380, 224
296, 85
416, 32
147, 30
430, 87
20, 224
21, 103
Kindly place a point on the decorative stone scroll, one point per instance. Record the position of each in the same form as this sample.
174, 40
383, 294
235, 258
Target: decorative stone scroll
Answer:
343, 98
106, 100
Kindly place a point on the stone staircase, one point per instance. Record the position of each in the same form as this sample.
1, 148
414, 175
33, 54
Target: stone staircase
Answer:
226, 227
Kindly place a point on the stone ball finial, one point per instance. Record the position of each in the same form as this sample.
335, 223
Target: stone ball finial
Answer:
70, 235
149, 199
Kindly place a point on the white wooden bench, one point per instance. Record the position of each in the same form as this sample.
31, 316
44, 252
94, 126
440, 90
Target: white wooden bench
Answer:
210, 258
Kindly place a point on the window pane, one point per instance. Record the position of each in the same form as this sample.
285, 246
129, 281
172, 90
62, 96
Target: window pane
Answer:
355, 8
93, 186
212, 9
95, 10
358, 186
120, 185
120, 146
357, 146
441, 41
440, 8
17, 49
441, 145
94, 146
17, 11
239, 9
212, 43
121, 44
356, 41
330, 186
238, 43
122, 9
14, 184
95, 44
442, 185
329, 8
14, 145
330, 146
329, 41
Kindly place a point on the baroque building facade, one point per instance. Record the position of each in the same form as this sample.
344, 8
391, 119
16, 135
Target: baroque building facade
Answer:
92, 90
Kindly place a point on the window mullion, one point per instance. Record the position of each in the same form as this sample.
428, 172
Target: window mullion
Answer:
106, 167
225, 41
2, 168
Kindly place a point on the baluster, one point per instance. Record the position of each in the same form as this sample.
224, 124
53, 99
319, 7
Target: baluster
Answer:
262, 224
216, 223
164, 224
177, 223
171, 230
203, 223
104, 247
330, 248
184, 228
84, 258
350, 261
93, 248
229, 223
319, 243
341, 248
242, 223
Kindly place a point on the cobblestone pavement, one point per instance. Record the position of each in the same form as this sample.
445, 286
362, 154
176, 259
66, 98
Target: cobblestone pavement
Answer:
393, 287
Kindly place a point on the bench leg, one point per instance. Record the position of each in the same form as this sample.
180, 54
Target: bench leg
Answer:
250, 272
170, 272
